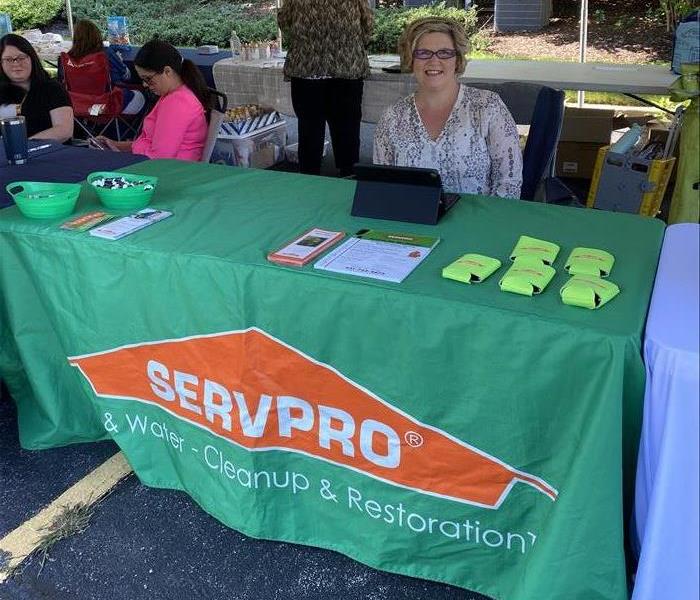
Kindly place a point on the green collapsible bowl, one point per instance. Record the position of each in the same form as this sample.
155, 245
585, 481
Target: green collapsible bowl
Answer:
125, 199
39, 200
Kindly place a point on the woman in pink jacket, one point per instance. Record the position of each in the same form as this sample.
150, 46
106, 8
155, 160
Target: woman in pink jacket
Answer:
177, 125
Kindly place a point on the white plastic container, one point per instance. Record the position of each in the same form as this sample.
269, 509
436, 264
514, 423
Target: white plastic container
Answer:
260, 149
291, 152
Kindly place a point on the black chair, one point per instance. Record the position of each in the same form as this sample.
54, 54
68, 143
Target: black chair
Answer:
541, 146
220, 99
542, 108
216, 117
539, 157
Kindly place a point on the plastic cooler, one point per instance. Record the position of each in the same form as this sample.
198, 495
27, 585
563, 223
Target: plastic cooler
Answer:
260, 148
291, 152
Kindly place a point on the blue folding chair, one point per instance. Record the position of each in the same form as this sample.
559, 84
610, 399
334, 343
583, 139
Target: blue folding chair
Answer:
542, 108
539, 156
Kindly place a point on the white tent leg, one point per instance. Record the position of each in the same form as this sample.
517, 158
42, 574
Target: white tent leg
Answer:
69, 16
279, 31
582, 43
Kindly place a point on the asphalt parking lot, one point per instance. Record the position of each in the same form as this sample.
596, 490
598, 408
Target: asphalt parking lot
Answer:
144, 543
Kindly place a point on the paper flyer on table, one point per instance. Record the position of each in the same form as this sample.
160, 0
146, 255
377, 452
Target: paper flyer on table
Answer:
306, 247
120, 228
379, 255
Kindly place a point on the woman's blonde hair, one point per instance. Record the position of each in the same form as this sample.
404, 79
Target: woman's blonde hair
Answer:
416, 29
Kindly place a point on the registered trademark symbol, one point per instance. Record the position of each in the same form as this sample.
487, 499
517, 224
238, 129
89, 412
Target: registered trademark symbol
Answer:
413, 439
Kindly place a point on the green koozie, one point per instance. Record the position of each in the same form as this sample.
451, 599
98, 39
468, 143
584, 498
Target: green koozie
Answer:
528, 246
528, 276
471, 268
588, 291
589, 261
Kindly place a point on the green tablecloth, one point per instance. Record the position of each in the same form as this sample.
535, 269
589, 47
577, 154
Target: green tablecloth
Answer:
431, 428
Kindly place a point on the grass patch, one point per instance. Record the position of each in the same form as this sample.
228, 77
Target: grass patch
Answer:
486, 55
70, 521
622, 100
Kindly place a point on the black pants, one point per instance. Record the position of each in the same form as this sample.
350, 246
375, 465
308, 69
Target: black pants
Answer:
337, 102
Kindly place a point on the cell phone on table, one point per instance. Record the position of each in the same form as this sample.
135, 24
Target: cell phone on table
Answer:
92, 141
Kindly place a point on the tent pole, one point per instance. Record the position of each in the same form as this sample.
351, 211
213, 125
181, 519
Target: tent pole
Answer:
69, 16
279, 31
582, 43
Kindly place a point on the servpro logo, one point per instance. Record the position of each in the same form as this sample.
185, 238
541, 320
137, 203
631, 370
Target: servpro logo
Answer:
261, 394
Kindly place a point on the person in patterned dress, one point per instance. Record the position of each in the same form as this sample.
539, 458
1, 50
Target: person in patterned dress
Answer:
327, 62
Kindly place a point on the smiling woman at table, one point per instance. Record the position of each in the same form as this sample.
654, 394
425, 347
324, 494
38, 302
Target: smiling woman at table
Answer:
41, 100
177, 125
467, 134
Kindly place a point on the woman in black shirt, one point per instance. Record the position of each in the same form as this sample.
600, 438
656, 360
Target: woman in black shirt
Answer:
41, 100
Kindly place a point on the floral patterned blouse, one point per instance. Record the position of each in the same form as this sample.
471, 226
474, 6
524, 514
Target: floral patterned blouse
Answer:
477, 152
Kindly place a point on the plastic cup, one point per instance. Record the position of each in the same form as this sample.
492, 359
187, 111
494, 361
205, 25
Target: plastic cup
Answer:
14, 137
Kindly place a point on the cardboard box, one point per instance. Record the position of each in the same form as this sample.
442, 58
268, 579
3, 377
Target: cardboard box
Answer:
590, 125
576, 159
658, 132
638, 115
583, 132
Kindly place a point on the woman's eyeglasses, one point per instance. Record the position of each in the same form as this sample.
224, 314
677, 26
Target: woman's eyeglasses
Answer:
147, 79
443, 53
13, 60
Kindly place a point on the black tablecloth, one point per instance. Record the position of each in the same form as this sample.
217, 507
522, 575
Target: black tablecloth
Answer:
205, 62
59, 163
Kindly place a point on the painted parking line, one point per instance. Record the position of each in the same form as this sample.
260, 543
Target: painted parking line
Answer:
25, 539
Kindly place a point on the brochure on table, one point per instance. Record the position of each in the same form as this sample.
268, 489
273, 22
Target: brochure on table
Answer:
379, 255
306, 247
120, 228
87, 221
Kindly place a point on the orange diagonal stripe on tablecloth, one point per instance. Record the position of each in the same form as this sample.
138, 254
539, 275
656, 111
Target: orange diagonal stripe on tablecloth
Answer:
254, 366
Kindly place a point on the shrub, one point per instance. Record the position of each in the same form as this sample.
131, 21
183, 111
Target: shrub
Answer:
26, 14
184, 23
389, 23
206, 26
181, 22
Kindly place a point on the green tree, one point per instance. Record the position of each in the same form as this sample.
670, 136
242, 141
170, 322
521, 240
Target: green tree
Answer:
675, 10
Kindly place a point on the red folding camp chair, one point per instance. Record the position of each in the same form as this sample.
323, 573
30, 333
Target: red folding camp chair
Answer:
96, 103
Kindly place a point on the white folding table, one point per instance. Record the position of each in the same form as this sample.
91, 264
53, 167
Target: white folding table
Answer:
666, 499
261, 81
